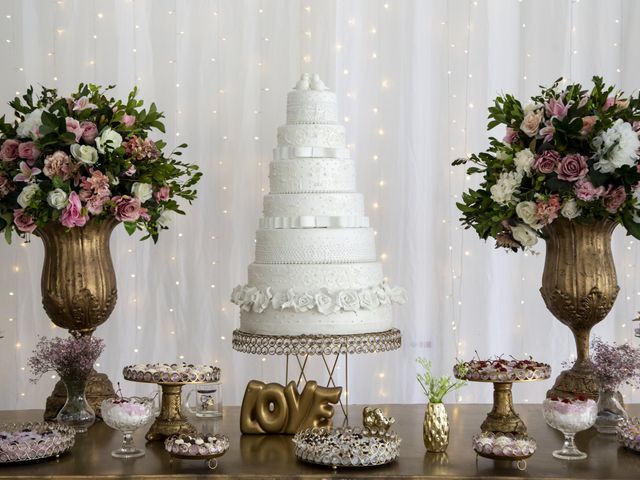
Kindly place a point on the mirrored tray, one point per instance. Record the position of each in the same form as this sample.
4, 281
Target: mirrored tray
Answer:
629, 434
508, 447
205, 447
22, 442
346, 447
171, 373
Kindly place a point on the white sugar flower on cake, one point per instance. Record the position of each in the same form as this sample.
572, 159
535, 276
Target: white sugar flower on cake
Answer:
316, 269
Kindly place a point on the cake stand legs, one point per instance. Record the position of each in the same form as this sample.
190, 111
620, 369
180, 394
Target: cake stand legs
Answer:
503, 417
170, 421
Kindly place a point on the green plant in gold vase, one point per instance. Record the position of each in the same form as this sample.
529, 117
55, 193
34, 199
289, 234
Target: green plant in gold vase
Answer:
435, 428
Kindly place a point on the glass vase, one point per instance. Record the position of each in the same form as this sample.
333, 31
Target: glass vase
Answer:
76, 412
611, 411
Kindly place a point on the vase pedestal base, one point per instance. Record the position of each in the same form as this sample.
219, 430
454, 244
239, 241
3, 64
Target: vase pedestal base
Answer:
574, 382
170, 421
99, 388
503, 418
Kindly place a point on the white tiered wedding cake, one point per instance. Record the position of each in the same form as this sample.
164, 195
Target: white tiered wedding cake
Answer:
315, 270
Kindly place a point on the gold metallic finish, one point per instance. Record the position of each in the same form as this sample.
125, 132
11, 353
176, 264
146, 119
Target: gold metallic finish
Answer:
503, 418
435, 428
274, 408
579, 286
170, 421
78, 292
375, 420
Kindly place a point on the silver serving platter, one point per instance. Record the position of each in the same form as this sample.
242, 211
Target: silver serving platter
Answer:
60, 441
627, 436
346, 447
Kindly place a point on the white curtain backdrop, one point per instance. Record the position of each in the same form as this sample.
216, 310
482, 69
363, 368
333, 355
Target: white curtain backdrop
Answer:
414, 79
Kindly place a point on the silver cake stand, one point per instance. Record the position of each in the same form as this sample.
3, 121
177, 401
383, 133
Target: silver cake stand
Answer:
328, 347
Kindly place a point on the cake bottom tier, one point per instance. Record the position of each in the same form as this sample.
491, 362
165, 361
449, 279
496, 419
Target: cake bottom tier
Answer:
275, 322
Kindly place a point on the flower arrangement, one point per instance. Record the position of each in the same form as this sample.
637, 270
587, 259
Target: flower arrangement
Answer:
435, 388
615, 364
73, 159
70, 357
569, 153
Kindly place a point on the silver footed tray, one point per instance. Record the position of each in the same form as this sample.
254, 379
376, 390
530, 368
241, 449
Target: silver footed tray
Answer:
346, 447
22, 442
629, 434
178, 373
316, 344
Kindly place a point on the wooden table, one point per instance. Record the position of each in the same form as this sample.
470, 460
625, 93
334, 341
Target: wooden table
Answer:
254, 457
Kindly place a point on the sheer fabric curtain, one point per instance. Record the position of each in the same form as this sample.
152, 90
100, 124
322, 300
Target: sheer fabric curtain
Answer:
414, 79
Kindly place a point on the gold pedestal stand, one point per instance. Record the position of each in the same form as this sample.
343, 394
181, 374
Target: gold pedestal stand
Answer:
328, 347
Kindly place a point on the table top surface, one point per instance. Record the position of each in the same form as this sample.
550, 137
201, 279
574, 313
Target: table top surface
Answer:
271, 456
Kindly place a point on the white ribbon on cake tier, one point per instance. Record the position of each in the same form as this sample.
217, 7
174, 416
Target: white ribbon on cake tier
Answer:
286, 153
310, 221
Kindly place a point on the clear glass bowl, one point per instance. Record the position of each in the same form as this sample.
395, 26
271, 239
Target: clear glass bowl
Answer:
127, 414
570, 418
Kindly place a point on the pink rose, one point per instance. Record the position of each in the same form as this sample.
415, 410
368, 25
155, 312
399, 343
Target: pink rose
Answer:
5, 186
82, 104
95, 204
128, 120
614, 198
23, 222
89, 132
547, 161
547, 211
636, 126
556, 108
609, 102
28, 151
531, 123
587, 124
72, 215
586, 191
126, 208
162, 195
511, 136
572, 168
9, 150
74, 127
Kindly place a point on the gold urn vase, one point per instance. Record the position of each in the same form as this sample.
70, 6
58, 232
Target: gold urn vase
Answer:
579, 286
78, 292
435, 428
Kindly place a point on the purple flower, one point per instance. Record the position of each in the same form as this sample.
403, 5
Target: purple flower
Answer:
69, 357
615, 364
556, 108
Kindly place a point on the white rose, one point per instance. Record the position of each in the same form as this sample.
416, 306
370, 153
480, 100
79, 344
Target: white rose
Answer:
284, 299
237, 295
304, 302
502, 155
348, 300
531, 107
524, 235
383, 295
397, 294
108, 140
325, 303
261, 300
57, 199
570, 209
142, 191
531, 123
503, 192
84, 154
165, 218
32, 121
527, 212
26, 195
524, 160
247, 300
368, 299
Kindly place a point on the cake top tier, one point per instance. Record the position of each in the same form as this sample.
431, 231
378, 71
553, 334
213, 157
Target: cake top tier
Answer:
311, 102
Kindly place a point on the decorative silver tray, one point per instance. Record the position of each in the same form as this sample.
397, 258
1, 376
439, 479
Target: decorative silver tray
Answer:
22, 442
346, 447
205, 447
178, 373
629, 434
316, 344
505, 446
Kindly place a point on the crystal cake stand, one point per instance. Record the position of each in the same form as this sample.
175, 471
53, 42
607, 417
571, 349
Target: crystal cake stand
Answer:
171, 378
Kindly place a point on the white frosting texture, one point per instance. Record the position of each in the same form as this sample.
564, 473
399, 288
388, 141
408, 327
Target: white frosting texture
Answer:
315, 269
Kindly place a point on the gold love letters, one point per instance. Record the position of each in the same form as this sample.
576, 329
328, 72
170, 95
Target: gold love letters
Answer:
274, 408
